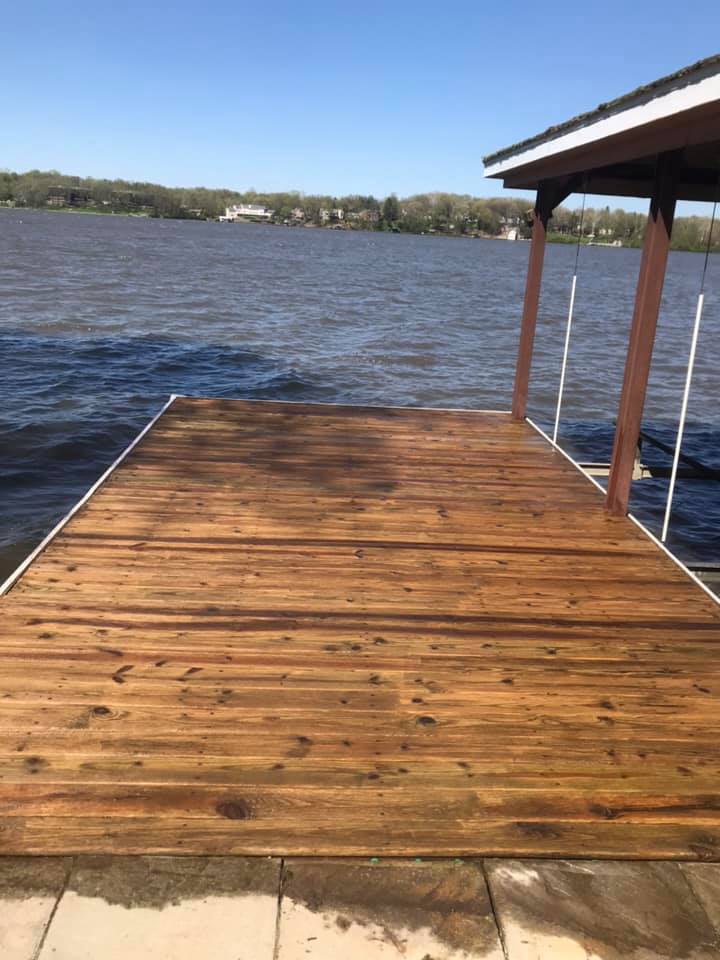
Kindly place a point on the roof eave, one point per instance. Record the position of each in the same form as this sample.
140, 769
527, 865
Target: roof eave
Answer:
665, 106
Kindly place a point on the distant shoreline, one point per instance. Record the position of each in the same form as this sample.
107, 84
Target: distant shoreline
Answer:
91, 211
553, 238
436, 213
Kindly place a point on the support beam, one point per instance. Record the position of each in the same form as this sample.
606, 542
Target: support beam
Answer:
550, 193
540, 216
642, 333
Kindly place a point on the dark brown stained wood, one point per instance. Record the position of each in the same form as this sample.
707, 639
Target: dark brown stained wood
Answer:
533, 282
549, 195
293, 629
656, 247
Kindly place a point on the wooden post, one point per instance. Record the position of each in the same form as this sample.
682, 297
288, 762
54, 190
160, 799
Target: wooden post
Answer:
541, 214
642, 333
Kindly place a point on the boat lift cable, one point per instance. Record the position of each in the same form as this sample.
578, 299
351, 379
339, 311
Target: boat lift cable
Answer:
566, 349
688, 379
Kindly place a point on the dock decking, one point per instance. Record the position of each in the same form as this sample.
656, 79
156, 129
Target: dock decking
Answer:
290, 629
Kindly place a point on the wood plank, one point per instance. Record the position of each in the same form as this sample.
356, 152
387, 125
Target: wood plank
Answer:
328, 836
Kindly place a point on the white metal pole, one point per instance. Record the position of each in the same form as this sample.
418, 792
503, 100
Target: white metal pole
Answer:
565, 359
683, 413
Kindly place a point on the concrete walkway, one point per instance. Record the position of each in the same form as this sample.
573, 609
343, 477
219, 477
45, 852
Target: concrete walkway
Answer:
233, 908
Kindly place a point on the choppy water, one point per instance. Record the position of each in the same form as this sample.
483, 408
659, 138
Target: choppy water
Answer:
102, 317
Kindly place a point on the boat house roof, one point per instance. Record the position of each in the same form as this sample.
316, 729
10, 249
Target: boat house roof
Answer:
613, 148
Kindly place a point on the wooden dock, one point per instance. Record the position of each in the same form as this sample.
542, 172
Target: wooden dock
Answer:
290, 629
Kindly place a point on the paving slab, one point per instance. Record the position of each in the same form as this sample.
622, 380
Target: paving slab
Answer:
704, 878
29, 890
359, 910
599, 910
166, 908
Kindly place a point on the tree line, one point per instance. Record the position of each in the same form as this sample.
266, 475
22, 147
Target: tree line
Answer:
441, 213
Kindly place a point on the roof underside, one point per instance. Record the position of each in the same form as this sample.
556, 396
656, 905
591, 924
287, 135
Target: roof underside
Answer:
613, 149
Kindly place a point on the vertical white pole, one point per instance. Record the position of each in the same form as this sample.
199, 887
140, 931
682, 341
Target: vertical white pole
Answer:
683, 413
565, 358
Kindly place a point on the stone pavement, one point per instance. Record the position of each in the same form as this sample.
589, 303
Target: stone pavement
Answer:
235, 908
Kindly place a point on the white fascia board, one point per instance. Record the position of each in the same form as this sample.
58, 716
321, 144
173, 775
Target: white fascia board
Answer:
658, 108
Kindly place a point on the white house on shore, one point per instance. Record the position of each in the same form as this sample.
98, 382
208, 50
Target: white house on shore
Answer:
246, 211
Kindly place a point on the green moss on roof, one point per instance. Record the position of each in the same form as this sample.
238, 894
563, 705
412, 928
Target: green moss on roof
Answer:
592, 116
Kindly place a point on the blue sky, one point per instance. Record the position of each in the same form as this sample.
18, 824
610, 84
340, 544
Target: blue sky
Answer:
338, 97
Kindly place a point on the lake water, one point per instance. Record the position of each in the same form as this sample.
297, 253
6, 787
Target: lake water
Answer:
101, 318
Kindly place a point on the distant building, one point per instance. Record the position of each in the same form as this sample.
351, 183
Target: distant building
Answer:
324, 215
246, 211
338, 213
69, 197
297, 213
